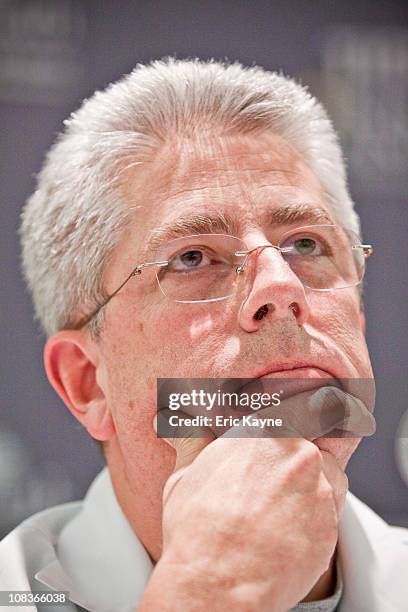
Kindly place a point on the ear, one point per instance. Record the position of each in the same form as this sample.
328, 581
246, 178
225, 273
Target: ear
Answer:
72, 364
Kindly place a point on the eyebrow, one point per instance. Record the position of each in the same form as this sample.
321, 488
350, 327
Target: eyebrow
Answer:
220, 223
299, 213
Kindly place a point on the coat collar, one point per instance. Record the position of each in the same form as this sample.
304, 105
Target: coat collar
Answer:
99, 559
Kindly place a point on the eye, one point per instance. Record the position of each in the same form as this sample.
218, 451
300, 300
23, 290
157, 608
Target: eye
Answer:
304, 245
192, 259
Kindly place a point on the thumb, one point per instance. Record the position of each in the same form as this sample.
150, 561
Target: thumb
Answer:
187, 440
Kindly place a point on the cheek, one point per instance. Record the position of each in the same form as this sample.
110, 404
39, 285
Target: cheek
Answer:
158, 341
336, 322
338, 315
183, 340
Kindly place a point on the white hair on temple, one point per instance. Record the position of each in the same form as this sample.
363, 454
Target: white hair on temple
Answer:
77, 214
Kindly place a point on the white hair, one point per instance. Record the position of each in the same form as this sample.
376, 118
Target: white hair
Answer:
77, 214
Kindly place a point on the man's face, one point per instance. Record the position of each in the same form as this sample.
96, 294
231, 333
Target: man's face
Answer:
146, 336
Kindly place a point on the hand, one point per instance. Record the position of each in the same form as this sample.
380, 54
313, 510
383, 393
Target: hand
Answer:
248, 523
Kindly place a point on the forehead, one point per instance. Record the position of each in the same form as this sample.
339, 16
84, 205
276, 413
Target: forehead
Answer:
244, 177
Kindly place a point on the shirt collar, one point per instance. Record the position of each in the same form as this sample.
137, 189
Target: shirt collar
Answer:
104, 566
372, 555
99, 559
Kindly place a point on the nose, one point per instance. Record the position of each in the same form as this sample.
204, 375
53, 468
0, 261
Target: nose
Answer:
274, 291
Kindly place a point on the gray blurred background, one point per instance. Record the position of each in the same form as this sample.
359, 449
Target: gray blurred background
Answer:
352, 54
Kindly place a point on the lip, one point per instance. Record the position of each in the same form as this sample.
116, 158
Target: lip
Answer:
294, 378
297, 379
295, 370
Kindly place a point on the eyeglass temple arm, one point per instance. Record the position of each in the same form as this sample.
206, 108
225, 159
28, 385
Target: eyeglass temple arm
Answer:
135, 272
366, 248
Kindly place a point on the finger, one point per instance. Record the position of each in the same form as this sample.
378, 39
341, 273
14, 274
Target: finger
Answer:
357, 420
362, 388
188, 441
335, 413
309, 414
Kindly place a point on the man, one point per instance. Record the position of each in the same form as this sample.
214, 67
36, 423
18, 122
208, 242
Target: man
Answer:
174, 165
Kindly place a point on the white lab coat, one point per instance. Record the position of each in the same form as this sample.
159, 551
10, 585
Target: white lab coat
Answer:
89, 549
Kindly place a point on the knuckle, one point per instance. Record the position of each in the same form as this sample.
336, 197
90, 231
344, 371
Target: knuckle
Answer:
309, 458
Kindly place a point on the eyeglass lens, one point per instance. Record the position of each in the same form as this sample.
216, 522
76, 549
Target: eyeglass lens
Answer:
204, 267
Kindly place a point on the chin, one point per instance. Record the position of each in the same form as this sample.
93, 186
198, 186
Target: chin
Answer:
341, 448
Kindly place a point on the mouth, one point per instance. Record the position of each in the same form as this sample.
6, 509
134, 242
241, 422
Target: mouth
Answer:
298, 379
294, 370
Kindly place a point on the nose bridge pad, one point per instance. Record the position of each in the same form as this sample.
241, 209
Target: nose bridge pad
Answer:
253, 255
248, 267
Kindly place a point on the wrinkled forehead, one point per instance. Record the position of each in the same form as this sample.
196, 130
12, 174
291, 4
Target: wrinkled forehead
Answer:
243, 177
